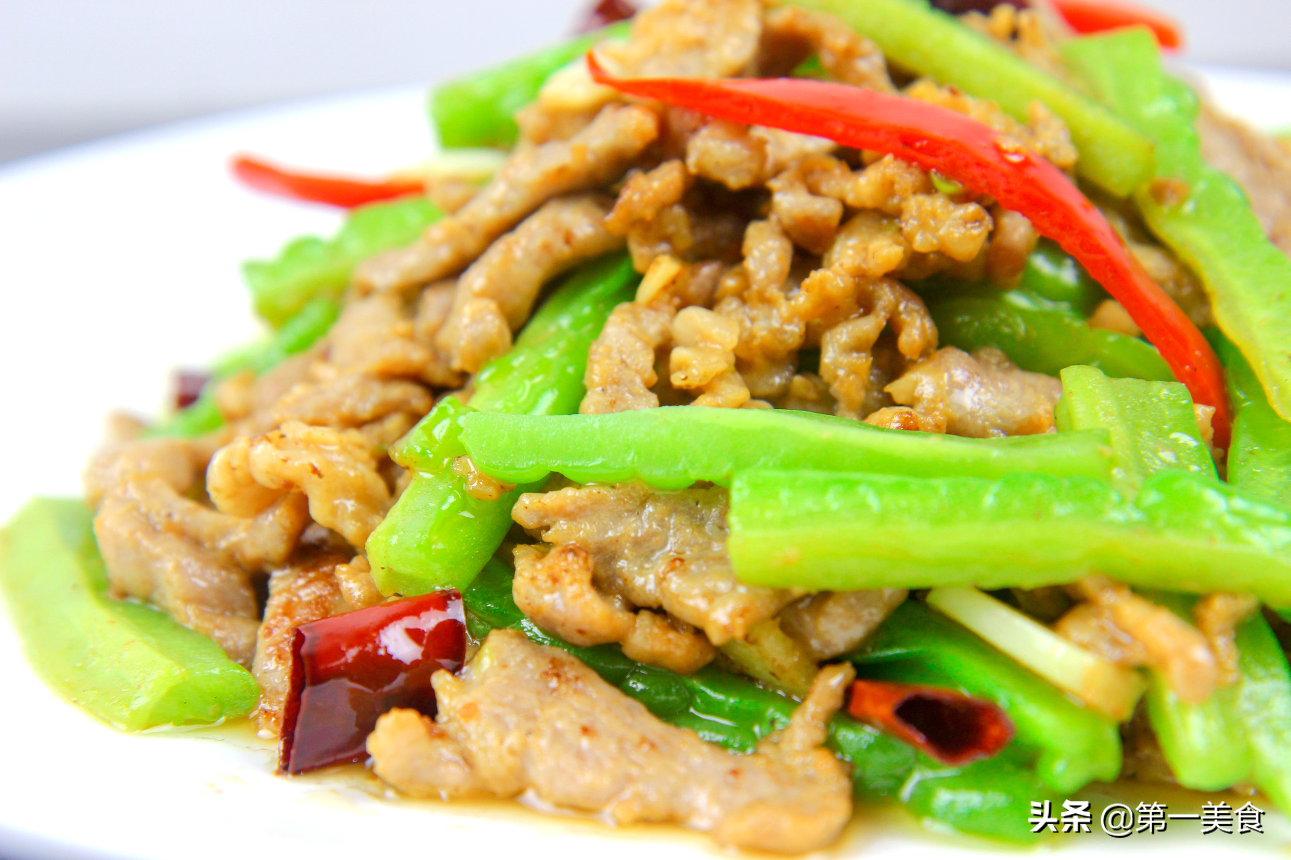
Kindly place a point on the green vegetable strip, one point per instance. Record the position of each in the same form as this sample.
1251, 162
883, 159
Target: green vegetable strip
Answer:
1242, 734
125, 663
989, 798
1214, 231
674, 447
295, 336
820, 531
479, 110
1113, 155
1040, 336
1259, 459
198, 418
1207, 745
1051, 273
1264, 708
438, 535
1154, 429
1071, 745
1153, 425
309, 267
298, 334
1204, 744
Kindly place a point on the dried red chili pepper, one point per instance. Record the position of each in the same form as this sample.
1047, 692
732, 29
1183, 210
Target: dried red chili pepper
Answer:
959, 7
340, 191
349, 669
977, 157
188, 386
1095, 16
605, 13
952, 727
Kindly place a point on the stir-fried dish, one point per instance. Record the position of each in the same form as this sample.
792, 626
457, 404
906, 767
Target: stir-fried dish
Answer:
758, 409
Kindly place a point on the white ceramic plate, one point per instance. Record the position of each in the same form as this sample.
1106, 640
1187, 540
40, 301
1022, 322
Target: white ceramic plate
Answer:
120, 262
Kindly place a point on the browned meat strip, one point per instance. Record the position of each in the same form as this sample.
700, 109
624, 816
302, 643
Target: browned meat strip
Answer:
191, 561
161, 546
504, 282
379, 335
808, 393
1091, 627
728, 153
703, 358
770, 332
247, 401
847, 349
793, 34
656, 549
621, 362
174, 462
1218, 616
555, 590
646, 195
835, 622
530, 177
1161, 639
689, 38
979, 395
905, 418
524, 716
1011, 245
352, 401
811, 220
304, 591
334, 468
933, 223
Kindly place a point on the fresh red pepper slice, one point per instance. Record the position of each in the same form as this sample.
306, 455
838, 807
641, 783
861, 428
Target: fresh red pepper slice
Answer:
950, 726
319, 187
977, 157
1095, 16
349, 669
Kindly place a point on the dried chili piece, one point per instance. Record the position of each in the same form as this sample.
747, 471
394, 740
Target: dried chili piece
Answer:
952, 727
349, 669
605, 13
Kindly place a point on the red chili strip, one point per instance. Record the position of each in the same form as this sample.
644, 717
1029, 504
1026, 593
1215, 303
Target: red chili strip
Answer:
951, 727
977, 157
1095, 16
349, 669
319, 187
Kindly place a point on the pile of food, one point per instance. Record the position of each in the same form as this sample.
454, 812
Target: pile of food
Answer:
759, 408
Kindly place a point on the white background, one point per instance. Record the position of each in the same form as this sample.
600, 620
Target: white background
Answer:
74, 69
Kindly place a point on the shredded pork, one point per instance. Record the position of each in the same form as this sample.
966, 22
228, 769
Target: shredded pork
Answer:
531, 177
196, 563
522, 716
978, 395
656, 550
1132, 630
